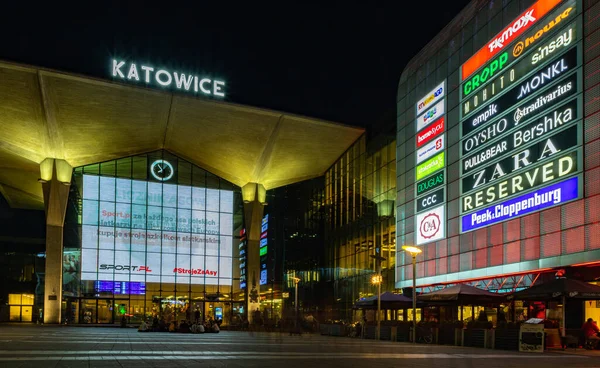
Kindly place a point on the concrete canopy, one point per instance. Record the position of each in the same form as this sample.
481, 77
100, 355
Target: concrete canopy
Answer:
84, 120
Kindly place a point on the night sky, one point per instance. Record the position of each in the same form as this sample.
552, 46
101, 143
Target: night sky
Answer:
338, 62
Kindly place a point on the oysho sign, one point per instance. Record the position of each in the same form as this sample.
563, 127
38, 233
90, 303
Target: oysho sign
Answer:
133, 72
430, 225
507, 35
431, 97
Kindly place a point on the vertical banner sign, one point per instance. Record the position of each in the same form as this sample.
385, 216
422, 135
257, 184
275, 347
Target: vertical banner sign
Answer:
263, 250
430, 223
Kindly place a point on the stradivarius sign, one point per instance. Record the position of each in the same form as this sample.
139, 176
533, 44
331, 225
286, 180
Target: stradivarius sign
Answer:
134, 72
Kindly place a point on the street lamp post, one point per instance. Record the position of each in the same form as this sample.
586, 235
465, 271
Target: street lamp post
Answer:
296, 281
378, 279
413, 252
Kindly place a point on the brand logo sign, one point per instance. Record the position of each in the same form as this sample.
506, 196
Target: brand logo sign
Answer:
556, 94
507, 35
549, 196
521, 46
109, 267
543, 77
529, 179
513, 75
534, 153
506, 58
430, 200
430, 183
535, 129
431, 97
430, 115
430, 225
430, 166
431, 132
133, 72
430, 149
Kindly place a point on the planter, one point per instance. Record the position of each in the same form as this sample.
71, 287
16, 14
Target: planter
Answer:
449, 335
403, 333
506, 339
476, 337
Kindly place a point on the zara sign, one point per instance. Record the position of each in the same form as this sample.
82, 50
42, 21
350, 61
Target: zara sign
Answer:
133, 72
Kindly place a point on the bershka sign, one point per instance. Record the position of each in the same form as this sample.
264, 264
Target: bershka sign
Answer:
430, 225
555, 95
430, 149
513, 75
550, 121
523, 181
431, 97
515, 141
532, 154
431, 183
431, 132
134, 72
430, 115
507, 35
506, 58
430, 200
543, 77
552, 195
430, 166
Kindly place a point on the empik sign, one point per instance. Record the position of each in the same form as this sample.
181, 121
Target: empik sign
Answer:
133, 72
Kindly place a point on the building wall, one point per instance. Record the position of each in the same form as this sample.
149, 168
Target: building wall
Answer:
562, 235
360, 200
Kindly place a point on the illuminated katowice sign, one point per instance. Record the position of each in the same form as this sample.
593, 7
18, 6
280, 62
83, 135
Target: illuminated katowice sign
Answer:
134, 72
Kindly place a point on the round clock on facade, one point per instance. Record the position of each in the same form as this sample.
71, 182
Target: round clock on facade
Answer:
162, 170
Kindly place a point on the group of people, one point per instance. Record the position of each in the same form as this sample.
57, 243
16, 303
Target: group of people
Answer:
184, 326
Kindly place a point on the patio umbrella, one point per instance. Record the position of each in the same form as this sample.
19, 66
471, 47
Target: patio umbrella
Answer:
389, 300
461, 294
559, 289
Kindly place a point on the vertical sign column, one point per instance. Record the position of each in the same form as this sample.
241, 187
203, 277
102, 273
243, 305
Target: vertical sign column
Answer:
242, 254
263, 250
430, 218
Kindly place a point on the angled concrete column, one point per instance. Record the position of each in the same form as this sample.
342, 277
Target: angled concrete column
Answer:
254, 200
56, 181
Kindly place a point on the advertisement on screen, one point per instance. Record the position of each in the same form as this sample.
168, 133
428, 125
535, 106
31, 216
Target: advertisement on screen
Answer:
549, 196
155, 232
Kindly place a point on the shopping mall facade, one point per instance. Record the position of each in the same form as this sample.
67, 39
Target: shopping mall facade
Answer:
498, 149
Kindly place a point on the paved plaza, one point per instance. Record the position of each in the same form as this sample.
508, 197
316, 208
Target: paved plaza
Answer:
65, 346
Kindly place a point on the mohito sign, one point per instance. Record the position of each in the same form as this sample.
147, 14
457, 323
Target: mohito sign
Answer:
437, 93
507, 35
134, 72
430, 149
430, 132
549, 196
506, 58
551, 97
431, 183
430, 115
430, 166
550, 121
511, 76
539, 175
430, 200
560, 142
551, 72
430, 225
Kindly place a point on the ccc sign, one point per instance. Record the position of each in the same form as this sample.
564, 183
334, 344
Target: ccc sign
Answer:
430, 200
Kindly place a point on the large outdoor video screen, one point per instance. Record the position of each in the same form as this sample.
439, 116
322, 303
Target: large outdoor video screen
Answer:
154, 232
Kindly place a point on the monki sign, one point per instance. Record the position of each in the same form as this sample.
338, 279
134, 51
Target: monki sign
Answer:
133, 72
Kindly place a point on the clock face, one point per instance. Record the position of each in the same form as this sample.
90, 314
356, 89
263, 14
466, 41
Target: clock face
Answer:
162, 170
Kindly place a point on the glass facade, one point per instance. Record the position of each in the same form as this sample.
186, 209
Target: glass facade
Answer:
564, 235
360, 194
151, 235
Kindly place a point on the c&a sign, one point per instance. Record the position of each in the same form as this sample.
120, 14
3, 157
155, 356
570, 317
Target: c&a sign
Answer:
430, 225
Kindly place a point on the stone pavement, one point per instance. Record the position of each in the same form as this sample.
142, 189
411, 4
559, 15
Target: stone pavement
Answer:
65, 346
